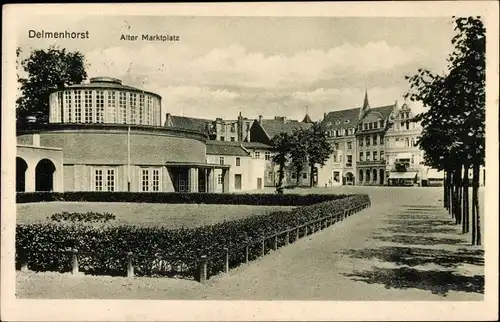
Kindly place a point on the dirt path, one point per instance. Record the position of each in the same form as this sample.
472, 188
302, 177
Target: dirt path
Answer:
402, 248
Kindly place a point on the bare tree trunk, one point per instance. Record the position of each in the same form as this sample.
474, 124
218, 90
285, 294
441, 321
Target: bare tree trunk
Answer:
454, 196
465, 205
475, 202
474, 210
460, 195
449, 191
445, 190
311, 179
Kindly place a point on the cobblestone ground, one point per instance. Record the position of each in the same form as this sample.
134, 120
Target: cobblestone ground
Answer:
405, 247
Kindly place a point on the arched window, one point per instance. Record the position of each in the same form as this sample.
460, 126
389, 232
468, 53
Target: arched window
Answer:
361, 175
367, 175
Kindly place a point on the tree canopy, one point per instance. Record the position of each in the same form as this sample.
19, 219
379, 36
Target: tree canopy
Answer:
453, 135
47, 70
453, 126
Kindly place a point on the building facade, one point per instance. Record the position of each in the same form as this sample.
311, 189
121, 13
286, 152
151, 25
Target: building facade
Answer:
341, 166
106, 136
259, 140
246, 172
404, 159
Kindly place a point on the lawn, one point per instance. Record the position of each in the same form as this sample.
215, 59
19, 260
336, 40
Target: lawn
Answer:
146, 214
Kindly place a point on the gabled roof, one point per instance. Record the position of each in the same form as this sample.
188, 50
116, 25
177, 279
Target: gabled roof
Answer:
256, 145
189, 123
342, 119
226, 148
385, 111
307, 119
275, 127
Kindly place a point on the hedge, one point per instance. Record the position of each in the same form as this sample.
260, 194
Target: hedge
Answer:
89, 217
47, 243
179, 198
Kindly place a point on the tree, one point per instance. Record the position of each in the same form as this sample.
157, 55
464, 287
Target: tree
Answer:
282, 146
298, 153
400, 166
453, 127
47, 70
318, 148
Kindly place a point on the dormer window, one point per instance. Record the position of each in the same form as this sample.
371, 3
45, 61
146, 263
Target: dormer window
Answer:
329, 124
346, 121
338, 122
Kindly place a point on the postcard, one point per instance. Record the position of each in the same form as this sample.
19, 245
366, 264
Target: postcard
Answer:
250, 161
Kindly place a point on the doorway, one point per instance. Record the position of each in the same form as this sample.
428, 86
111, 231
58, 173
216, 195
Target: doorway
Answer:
259, 183
21, 167
44, 175
237, 182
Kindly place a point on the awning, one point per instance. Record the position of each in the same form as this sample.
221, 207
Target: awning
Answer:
435, 174
402, 175
400, 156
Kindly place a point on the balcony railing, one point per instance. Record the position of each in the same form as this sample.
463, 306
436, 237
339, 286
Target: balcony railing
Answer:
371, 162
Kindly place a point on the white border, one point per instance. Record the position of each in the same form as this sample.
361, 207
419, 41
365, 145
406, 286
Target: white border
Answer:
101, 310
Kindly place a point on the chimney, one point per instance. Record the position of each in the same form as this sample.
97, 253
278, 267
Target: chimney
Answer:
168, 120
324, 115
240, 128
260, 119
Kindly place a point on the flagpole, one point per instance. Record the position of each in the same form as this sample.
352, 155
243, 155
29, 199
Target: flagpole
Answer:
128, 159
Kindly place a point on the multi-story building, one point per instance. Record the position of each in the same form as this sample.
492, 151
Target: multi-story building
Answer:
341, 166
260, 136
246, 173
357, 136
404, 158
232, 130
106, 136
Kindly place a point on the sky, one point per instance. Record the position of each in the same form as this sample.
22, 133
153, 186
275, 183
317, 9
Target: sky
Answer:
270, 66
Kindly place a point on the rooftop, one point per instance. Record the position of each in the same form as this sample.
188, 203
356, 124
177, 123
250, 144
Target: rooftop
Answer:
279, 125
188, 123
226, 148
109, 83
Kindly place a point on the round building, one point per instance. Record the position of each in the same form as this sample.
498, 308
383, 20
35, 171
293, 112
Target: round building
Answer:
106, 136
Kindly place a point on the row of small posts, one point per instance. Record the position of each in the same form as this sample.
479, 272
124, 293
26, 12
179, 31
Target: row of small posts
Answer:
74, 262
309, 228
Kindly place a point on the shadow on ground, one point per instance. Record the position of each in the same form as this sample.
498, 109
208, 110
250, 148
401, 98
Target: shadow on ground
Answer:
419, 229
419, 240
437, 282
413, 256
420, 222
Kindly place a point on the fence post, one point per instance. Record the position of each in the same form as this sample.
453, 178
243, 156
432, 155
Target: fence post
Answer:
287, 238
203, 269
130, 266
305, 230
23, 258
275, 244
297, 234
75, 262
226, 260
263, 246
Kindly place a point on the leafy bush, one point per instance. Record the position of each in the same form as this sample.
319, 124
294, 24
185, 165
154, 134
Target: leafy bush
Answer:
89, 216
179, 198
159, 251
